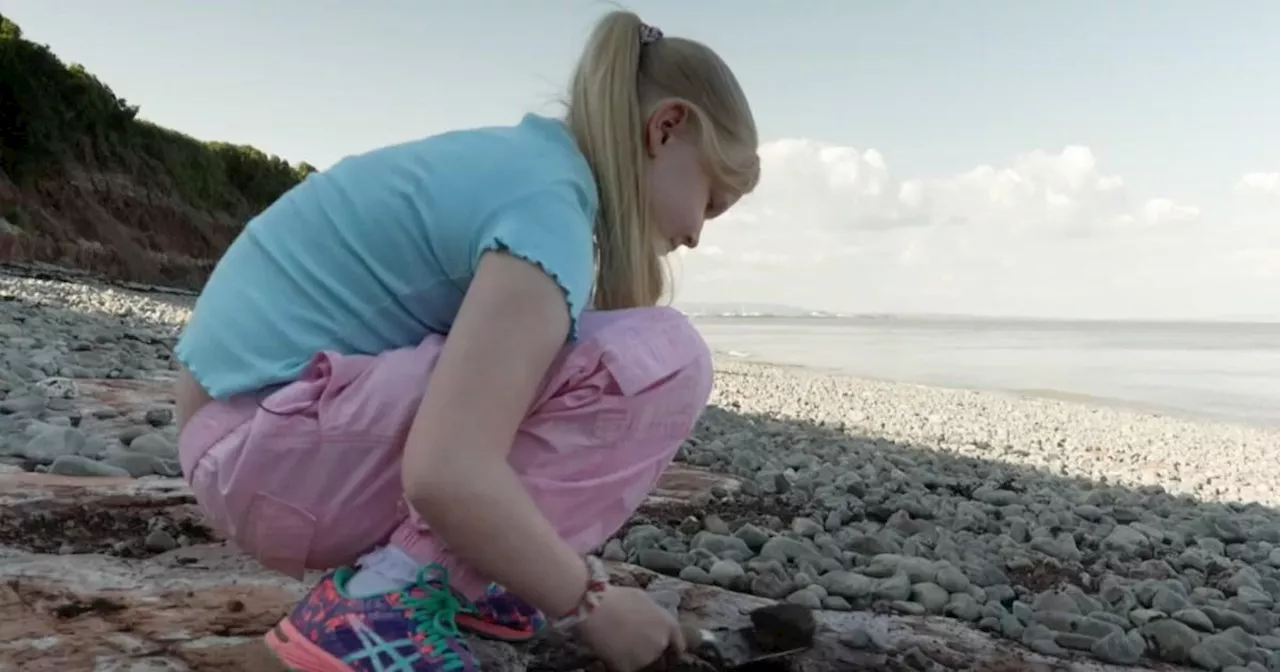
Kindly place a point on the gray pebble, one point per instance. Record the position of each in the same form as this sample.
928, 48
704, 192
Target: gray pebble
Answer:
896, 587
51, 442
160, 541
963, 607
76, 465
613, 551
754, 537
726, 573
787, 549
847, 584
805, 598
695, 574
159, 416
954, 580
836, 603
930, 596
1194, 618
29, 404
1172, 640
155, 444
1121, 648
660, 561
715, 525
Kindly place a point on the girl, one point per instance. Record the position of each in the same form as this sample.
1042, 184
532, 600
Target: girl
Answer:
310, 434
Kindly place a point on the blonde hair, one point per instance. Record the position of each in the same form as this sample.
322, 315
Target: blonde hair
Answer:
616, 86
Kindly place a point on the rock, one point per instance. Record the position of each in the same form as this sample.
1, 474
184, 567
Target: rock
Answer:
931, 596
1194, 618
896, 587
1055, 602
753, 536
28, 404
952, 579
720, 544
159, 416
787, 549
782, 626
159, 541
51, 442
58, 388
1123, 648
154, 444
726, 573
614, 551
716, 525
141, 464
806, 527
963, 607
805, 598
75, 465
1168, 601
845, 584
1214, 655
1172, 640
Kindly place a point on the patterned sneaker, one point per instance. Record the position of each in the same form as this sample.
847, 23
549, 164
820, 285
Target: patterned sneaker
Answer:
501, 615
412, 630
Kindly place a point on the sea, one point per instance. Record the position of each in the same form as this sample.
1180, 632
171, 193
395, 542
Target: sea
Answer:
1219, 371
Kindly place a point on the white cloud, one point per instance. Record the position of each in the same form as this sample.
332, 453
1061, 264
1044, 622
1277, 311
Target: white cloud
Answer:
1264, 182
1050, 233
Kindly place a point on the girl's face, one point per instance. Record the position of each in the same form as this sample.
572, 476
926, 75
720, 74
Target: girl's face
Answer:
680, 191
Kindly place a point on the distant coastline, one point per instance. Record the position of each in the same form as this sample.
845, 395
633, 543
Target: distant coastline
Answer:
802, 314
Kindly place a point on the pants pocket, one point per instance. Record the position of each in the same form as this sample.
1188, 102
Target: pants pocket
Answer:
203, 479
278, 534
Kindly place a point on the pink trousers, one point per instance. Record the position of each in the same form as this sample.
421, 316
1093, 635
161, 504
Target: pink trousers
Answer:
307, 476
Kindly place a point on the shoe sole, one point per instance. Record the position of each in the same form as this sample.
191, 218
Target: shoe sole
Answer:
487, 630
297, 654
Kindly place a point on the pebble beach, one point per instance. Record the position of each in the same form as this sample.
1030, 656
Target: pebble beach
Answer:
1073, 529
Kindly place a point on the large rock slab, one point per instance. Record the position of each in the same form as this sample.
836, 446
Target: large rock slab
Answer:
83, 588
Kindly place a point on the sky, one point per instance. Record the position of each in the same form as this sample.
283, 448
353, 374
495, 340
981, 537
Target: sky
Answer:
1085, 159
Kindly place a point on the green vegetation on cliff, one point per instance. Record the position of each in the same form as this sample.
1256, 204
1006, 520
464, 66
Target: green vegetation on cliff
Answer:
53, 115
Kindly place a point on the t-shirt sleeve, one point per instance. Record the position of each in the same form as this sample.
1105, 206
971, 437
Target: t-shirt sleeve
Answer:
552, 230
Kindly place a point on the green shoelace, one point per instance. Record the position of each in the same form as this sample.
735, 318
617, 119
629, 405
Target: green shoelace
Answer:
435, 613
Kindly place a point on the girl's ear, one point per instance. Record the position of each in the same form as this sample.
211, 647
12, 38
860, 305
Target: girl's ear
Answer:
668, 119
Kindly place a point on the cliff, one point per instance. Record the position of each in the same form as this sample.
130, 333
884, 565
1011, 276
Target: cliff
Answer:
86, 183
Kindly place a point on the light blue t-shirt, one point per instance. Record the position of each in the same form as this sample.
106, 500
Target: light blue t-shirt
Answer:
378, 251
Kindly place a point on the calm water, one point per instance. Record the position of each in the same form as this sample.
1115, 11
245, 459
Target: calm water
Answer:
1217, 370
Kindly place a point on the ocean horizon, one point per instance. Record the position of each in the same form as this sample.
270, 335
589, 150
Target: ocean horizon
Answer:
1209, 370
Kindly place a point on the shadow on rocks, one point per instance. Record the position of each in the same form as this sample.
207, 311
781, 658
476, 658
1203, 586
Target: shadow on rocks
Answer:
825, 516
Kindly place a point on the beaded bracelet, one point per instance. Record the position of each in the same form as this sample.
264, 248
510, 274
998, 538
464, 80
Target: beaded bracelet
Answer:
597, 583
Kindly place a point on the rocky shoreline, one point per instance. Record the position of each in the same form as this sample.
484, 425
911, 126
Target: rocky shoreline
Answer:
1073, 533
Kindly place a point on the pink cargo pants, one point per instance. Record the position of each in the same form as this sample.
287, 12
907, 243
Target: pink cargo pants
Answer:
307, 476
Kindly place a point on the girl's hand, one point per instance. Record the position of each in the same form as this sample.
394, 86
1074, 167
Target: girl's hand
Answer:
628, 631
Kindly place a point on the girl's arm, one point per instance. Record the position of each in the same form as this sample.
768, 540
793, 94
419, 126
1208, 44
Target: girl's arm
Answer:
512, 323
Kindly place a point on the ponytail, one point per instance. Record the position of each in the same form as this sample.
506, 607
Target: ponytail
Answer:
606, 119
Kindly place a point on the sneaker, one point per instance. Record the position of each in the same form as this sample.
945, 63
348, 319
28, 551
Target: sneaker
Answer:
501, 615
409, 630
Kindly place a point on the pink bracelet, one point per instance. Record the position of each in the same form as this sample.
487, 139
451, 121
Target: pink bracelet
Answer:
597, 583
